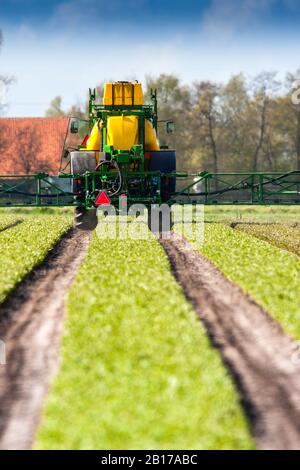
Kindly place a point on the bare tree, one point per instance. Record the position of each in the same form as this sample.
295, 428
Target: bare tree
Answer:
249, 125
264, 85
55, 108
206, 109
291, 80
262, 107
5, 81
174, 103
79, 109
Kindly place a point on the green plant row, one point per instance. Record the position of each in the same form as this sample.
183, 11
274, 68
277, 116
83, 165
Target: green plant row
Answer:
250, 213
30, 211
270, 275
26, 245
7, 219
283, 236
137, 369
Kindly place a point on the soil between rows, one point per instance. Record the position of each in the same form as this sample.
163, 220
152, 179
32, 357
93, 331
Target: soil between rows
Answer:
31, 322
262, 360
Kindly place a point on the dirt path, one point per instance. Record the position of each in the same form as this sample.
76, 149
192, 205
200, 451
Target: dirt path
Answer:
31, 326
263, 361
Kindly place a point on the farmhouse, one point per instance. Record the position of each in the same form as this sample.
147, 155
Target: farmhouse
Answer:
30, 145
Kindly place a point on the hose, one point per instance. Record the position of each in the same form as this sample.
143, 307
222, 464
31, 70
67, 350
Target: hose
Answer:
115, 165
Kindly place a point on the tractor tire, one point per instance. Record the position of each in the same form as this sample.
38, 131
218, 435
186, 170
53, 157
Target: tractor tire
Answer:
165, 162
85, 219
166, 188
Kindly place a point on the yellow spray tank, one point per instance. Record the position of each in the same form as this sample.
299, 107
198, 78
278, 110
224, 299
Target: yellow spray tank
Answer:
122, 134
123, 94
94, 141
122, 131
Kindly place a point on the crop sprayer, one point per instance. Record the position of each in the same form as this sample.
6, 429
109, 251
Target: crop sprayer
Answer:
116, 153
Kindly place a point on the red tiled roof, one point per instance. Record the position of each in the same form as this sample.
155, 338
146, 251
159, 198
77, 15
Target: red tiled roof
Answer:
29, 145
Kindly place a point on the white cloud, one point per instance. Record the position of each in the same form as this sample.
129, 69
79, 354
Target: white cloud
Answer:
88, 12
69, 71
72, 12
25, 33
223, 18
67, 63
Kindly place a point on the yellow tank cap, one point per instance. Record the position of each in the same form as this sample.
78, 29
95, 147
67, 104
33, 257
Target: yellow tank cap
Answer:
123, 94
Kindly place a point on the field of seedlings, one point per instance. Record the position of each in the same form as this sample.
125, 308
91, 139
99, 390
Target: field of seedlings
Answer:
151, 344
26, 245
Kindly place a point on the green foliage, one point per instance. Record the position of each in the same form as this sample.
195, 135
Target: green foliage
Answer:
270, 275
137, 369
7, 219
283, 236
243, 214
55, 108
25, 246
22, 212
174, 103
243, 124
239, 121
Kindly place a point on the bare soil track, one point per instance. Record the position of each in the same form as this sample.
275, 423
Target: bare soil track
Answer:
287, 224
259, 355
31, 323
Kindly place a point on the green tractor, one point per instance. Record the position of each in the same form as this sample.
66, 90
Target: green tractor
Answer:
119, 150
115, 156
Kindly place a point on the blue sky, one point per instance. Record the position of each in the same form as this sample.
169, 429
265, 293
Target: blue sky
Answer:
63, 47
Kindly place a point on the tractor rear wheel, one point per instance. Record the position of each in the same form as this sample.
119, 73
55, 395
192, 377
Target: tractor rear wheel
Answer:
81, 162
85, 219
164, 160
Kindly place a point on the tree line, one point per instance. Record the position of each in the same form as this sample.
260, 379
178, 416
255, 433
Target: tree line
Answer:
241, 125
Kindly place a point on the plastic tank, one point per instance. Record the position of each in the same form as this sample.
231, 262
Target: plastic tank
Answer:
122, 134
123, 94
